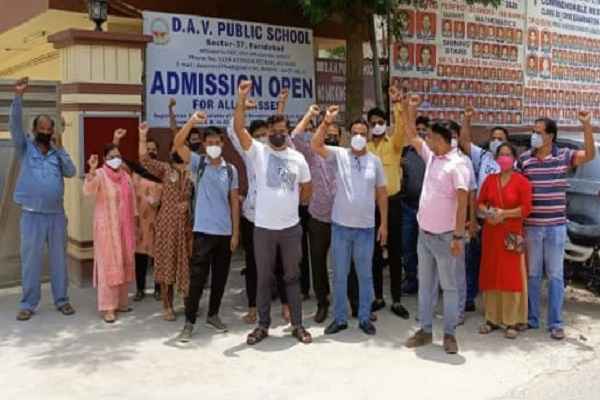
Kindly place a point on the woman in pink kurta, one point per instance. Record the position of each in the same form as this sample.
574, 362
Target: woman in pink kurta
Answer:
114, 231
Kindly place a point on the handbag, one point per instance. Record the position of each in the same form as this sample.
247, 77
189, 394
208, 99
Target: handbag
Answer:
512, 241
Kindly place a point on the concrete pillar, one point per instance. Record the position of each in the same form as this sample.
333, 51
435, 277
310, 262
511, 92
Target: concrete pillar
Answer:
100, 72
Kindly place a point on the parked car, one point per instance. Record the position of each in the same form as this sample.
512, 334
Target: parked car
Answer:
582, 252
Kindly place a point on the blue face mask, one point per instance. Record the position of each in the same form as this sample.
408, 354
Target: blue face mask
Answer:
537, 140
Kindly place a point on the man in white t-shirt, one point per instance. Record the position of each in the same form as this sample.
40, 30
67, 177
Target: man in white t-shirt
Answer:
360, 181
282, 181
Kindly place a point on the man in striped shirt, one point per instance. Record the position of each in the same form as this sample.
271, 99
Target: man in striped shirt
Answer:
546, 166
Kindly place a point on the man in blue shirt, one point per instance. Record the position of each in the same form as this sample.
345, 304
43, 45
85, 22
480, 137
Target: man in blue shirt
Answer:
39, 192
216, 223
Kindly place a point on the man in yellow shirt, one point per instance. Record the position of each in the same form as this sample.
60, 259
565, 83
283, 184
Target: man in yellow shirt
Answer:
388, 147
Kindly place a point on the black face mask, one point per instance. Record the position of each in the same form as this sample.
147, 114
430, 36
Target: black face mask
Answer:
194, 147
176, 159
153, 156
332, 141
277, 139
43, 139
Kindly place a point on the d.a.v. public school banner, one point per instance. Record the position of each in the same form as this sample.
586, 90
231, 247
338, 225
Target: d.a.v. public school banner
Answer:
200, 61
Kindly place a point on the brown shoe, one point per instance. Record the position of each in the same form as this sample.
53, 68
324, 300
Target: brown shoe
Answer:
419, 339
24, 315
450, 344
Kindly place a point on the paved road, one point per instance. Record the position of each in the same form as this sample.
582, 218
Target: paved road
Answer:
55, 357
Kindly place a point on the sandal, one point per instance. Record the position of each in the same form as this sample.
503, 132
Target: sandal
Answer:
302, 335
24, 315
169, 314
256, 336
125, 310
66, 309
109, 317
522, 327
511, 333
250, 317
487, 328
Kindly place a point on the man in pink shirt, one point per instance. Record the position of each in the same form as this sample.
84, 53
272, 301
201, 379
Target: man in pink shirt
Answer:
441, 217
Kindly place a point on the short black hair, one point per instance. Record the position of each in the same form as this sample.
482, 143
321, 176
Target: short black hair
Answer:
277, 118
512, 148
212, 131
40, 116
423, 120
256, 125
443, 129
550, 127
358, 121
501, 128
150, 140
454, 126
376, 111
108, 147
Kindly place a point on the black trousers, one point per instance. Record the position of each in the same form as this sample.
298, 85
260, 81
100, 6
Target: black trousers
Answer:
319, 234
142, 262
394, 247
209, 253
266, 244
247, 231
304, 261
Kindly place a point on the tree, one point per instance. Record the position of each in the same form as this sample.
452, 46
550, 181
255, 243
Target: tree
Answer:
355, 15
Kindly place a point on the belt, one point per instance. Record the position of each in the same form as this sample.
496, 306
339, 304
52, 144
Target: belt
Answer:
435, 234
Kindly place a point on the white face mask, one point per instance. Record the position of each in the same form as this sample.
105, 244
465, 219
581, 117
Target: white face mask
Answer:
358, 142
454, 143
114, 163
494, 144
213, 151
537, 140
378, 130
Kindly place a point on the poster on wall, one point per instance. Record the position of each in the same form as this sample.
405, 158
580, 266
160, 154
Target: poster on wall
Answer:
455, 54
562, 60
200, 61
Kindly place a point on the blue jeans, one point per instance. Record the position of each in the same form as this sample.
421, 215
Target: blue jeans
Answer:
545, 250
410, 236
37, 230
436, 260
473, 260
352, 244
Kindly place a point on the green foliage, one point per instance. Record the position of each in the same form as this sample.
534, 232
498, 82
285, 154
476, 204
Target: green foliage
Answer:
318, 11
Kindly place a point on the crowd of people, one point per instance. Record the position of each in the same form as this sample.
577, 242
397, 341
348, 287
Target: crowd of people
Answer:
444, 214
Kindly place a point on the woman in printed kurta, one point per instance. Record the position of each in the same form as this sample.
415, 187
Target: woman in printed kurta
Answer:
173, 230
114, 231
505, 200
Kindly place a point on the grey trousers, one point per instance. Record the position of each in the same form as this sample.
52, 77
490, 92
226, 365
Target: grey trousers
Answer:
289, 242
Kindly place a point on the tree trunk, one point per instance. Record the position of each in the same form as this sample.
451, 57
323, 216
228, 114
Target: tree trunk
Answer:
354, 73
376, 67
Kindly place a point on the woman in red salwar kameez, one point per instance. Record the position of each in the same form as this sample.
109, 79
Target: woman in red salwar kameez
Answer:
505, 200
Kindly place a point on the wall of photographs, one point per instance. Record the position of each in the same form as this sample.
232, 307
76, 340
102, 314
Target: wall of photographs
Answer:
513, 63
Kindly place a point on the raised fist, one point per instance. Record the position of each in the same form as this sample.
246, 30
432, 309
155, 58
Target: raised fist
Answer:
244, 89
172, 102
119, 133
250, 104
283, 95
585, 117
314, 111
21, 86
199, 117
395, 95
331, 114
414, 101
143, 129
